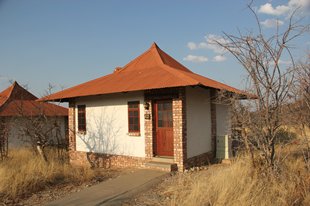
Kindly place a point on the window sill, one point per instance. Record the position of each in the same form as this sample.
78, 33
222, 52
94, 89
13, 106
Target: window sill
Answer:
82, 132
134, 134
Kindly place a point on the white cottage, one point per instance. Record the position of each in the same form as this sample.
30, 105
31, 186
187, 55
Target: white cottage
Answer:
19, 111
153, 112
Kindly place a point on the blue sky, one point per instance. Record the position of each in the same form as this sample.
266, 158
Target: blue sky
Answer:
67, 42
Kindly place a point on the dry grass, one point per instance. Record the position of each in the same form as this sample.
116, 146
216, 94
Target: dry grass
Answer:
237, 184
24, 173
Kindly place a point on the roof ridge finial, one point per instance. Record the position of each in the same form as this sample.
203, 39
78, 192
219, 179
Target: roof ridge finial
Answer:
154, 45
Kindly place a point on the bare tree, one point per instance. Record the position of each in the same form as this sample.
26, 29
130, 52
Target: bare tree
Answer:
41, 127
300, 109
268, 79
3, 139
303, 88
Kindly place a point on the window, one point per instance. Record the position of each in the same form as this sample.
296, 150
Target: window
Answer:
133, 117
164, 114
81, 118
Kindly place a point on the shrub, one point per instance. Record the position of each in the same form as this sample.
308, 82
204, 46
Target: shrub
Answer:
25, 172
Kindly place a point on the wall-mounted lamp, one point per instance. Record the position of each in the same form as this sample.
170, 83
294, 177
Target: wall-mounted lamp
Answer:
146, 105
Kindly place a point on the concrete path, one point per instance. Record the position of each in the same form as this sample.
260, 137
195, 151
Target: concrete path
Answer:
114, 191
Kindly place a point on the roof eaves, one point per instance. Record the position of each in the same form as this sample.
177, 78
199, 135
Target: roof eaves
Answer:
7, 97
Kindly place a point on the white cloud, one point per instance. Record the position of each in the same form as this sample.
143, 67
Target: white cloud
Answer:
192, 45
303, 5
269, 23
286, 62
269, 9
281, 62
195, 59
202, 45
211, 43
219, 58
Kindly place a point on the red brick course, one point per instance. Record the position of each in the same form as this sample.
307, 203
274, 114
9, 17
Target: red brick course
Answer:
72, 129
105, 160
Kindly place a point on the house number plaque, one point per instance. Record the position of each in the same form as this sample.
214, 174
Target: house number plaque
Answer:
147, 116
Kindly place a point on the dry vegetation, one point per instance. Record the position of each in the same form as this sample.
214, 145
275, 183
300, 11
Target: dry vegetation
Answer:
24, 173
235, 184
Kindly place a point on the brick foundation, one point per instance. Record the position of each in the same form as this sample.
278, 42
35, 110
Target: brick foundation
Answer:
105, 160
199, 160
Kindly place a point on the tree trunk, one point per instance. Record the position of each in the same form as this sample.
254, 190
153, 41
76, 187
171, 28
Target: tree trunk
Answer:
41, 152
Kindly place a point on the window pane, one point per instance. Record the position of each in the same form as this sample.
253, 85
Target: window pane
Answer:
131, 120
160, 115
131, 113
159, 106
136, 113
133, 116
81, 117
160, 123
136, 121
167, 106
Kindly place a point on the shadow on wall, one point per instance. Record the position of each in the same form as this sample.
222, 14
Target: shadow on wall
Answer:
25, 132
100, 139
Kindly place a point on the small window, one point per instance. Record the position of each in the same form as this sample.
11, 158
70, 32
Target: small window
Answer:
81, 118
133, 117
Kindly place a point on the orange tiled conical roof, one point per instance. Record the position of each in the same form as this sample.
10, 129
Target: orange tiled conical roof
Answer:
152, 70
17, 101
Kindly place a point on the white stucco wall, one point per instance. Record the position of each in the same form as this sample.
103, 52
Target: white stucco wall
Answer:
198, 113
17, 126
107, 125
223, 120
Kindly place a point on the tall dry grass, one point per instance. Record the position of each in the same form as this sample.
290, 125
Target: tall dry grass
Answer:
25, 172
240, 184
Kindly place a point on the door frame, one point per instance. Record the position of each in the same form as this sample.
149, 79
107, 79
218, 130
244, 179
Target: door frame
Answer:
154, 120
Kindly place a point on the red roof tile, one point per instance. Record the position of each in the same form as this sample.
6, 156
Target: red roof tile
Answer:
4, 95
17, 101
32, 108
152, 70
15, 91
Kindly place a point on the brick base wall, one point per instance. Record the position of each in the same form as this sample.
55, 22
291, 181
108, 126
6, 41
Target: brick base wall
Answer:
105, 160
199, 160
178, 97
179, 129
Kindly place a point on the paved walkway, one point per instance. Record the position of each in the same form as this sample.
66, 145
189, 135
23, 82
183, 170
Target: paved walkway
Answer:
114, 191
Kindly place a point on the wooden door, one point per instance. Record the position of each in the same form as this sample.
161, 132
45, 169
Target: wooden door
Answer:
163, 128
